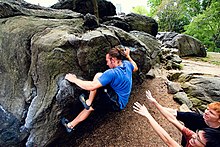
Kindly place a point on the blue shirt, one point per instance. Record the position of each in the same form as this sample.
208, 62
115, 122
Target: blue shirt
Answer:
120, 79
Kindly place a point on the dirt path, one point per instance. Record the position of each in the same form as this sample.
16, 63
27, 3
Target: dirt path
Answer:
200, 67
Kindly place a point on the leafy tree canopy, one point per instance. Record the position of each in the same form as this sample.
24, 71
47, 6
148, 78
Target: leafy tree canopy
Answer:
140, 10
206, 26
198, 18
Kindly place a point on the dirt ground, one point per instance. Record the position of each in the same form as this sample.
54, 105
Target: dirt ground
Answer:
200, 67
198, 64
127, 128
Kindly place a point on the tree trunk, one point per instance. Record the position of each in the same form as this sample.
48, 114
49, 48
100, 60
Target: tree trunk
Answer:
95, 8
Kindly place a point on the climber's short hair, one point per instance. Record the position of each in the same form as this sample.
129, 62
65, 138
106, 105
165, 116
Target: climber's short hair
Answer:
117, 52
215, 106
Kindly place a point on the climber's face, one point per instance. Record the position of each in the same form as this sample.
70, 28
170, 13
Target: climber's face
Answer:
110, 61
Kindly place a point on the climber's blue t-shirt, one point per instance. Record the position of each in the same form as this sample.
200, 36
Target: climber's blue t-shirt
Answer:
120, 79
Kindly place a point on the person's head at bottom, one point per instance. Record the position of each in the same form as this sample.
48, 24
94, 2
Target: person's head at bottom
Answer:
207, 137
212, 115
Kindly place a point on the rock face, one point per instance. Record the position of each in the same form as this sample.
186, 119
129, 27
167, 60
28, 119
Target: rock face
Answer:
10, 134
201, 89
105, 8
186, 45
205, 88
133, 22
20, 7
129, 22
170, 58
38, 46
142, 23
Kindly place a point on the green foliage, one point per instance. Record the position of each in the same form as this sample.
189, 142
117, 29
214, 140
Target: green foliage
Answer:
206, 27
192, 7
153, 6
205, 4
181, 66
198, 18
172, 17
140, 10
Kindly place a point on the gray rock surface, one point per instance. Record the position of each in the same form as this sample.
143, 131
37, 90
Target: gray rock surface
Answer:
105, 8
133, 22
182, 98
201, 89
173, 87
187, 45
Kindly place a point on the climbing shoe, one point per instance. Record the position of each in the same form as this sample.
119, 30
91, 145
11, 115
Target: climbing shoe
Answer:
64, 122
83, 101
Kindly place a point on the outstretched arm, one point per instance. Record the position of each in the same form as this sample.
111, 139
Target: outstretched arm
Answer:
166, 112
127, 53
142, 110
87, 85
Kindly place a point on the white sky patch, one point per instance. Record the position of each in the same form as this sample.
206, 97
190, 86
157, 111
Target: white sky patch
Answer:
45, 3
127, 5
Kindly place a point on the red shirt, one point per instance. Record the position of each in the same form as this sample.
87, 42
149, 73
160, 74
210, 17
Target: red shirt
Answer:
188, 135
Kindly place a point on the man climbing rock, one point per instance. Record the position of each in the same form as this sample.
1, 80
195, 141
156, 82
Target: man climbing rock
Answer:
113, 86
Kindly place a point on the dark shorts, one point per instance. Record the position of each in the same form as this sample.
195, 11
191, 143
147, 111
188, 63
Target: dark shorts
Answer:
106, 99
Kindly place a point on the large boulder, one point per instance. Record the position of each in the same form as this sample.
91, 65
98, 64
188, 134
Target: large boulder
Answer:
105, 8
129, 22
10, 8
201, 89
38, 47
142, 23
205, 88
133, 22
152, 45
186, 45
